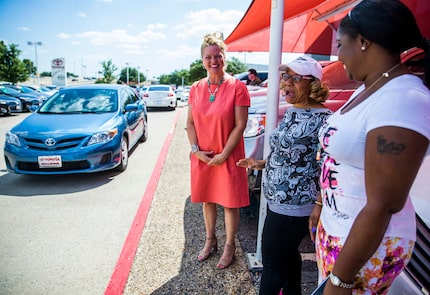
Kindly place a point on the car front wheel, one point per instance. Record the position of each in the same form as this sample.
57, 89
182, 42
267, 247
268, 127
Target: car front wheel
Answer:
124, 155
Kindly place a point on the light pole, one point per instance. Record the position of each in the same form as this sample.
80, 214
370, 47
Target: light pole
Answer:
128, 77
35, 51
138, 76
147, 75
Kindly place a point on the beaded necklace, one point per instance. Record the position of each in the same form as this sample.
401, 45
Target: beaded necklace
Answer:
213, 94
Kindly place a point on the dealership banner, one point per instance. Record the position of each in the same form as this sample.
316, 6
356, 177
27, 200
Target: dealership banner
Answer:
58, 71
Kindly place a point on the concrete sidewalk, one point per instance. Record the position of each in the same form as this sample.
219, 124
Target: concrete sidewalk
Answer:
165, 261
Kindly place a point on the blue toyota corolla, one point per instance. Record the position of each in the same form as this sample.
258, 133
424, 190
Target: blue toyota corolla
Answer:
80, 129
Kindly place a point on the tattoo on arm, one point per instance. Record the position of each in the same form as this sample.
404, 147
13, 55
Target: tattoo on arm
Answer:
386, 147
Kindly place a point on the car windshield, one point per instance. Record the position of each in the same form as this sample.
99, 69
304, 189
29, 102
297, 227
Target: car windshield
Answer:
8, 90
81, 101
159, 88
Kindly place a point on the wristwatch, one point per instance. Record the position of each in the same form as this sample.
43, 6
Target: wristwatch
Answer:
194, 148
335, 280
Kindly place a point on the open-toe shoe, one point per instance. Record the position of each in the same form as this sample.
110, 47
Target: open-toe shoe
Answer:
213, 248
229, 251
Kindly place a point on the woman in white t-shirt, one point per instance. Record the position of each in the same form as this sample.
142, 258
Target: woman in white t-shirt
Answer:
373, 148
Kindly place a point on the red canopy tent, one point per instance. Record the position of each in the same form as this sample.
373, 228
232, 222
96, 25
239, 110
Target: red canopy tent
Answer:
309, 26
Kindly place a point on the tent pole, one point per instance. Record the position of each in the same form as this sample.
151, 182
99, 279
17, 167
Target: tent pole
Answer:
275, 56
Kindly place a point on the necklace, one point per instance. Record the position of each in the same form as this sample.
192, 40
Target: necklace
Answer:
213, 94
383, 75
363, 94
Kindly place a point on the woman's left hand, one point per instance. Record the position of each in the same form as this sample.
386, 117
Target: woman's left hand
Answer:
216, 160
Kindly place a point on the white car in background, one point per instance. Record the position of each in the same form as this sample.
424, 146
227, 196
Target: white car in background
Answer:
160, 96
185, 93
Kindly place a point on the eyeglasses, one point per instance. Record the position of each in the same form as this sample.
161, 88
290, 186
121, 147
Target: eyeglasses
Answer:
295, 78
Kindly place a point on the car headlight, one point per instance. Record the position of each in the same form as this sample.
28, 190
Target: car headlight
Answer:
255, 125
103, 137
13, 139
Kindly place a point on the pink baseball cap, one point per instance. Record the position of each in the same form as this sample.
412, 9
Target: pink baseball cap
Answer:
305, 66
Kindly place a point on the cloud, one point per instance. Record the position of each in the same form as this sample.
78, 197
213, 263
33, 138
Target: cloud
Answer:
198, 23
82, 14
120, 37
156, 26
63, 36
23, 29
179, 52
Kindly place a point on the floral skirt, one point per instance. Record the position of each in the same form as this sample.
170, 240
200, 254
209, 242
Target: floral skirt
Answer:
378, 273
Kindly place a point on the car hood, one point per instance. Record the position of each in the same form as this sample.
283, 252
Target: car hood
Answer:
259, 105
60, 124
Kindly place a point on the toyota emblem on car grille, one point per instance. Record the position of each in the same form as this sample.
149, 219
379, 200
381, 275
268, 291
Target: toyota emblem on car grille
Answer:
50, 141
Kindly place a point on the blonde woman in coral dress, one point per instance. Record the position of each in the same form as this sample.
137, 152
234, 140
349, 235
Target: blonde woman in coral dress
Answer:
217, 117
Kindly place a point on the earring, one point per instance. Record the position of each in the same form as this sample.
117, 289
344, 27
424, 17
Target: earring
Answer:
363, 48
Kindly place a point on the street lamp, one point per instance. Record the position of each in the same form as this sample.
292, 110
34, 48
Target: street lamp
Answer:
147, 75
128, 76
138, 76
35, 50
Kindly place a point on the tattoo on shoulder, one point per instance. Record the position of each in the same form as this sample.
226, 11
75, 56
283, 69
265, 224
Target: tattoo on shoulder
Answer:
389, 147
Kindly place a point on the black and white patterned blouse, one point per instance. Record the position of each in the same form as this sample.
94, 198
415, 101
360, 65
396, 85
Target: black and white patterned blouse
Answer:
290, 179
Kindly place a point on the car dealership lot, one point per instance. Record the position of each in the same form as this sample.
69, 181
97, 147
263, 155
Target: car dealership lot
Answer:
62, 234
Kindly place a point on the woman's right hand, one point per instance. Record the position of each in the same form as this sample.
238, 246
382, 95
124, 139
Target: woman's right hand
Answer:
203, 156
251, 163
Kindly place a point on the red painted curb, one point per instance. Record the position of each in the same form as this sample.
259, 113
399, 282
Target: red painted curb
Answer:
119, 277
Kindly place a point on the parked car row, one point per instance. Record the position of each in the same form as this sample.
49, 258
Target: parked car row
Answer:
95, 128
27, 100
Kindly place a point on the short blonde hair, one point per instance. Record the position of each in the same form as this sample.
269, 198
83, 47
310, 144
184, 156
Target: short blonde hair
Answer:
213, 39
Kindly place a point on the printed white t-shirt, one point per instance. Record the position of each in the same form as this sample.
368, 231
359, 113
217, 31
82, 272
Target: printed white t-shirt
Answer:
404, 102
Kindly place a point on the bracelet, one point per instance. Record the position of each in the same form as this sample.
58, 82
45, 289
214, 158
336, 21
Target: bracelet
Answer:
194, 148
318, 203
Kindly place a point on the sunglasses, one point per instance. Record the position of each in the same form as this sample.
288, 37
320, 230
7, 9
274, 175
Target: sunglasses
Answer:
295, 78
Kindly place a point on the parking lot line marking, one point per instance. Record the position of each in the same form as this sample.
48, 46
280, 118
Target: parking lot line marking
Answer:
119, 277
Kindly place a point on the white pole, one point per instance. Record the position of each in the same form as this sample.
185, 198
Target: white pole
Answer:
37, 63
275, 56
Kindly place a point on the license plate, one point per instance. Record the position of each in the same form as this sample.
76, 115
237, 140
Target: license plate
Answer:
49, 161
157, 102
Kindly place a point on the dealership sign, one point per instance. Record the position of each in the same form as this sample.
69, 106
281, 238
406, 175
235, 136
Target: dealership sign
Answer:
58, 71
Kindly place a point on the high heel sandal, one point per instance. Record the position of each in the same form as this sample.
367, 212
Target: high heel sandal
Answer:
223, 263
203, 255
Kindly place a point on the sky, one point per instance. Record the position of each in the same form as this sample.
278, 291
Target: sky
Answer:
156, 37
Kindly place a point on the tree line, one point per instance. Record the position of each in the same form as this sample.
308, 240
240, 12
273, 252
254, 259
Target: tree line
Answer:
14, 70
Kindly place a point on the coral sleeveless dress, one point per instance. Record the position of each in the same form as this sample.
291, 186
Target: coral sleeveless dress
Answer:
225, 184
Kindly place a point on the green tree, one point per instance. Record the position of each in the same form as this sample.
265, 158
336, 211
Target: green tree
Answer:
12, 69
175, 78
197, 71
108, 72
29, 65
133, 76
235, 66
